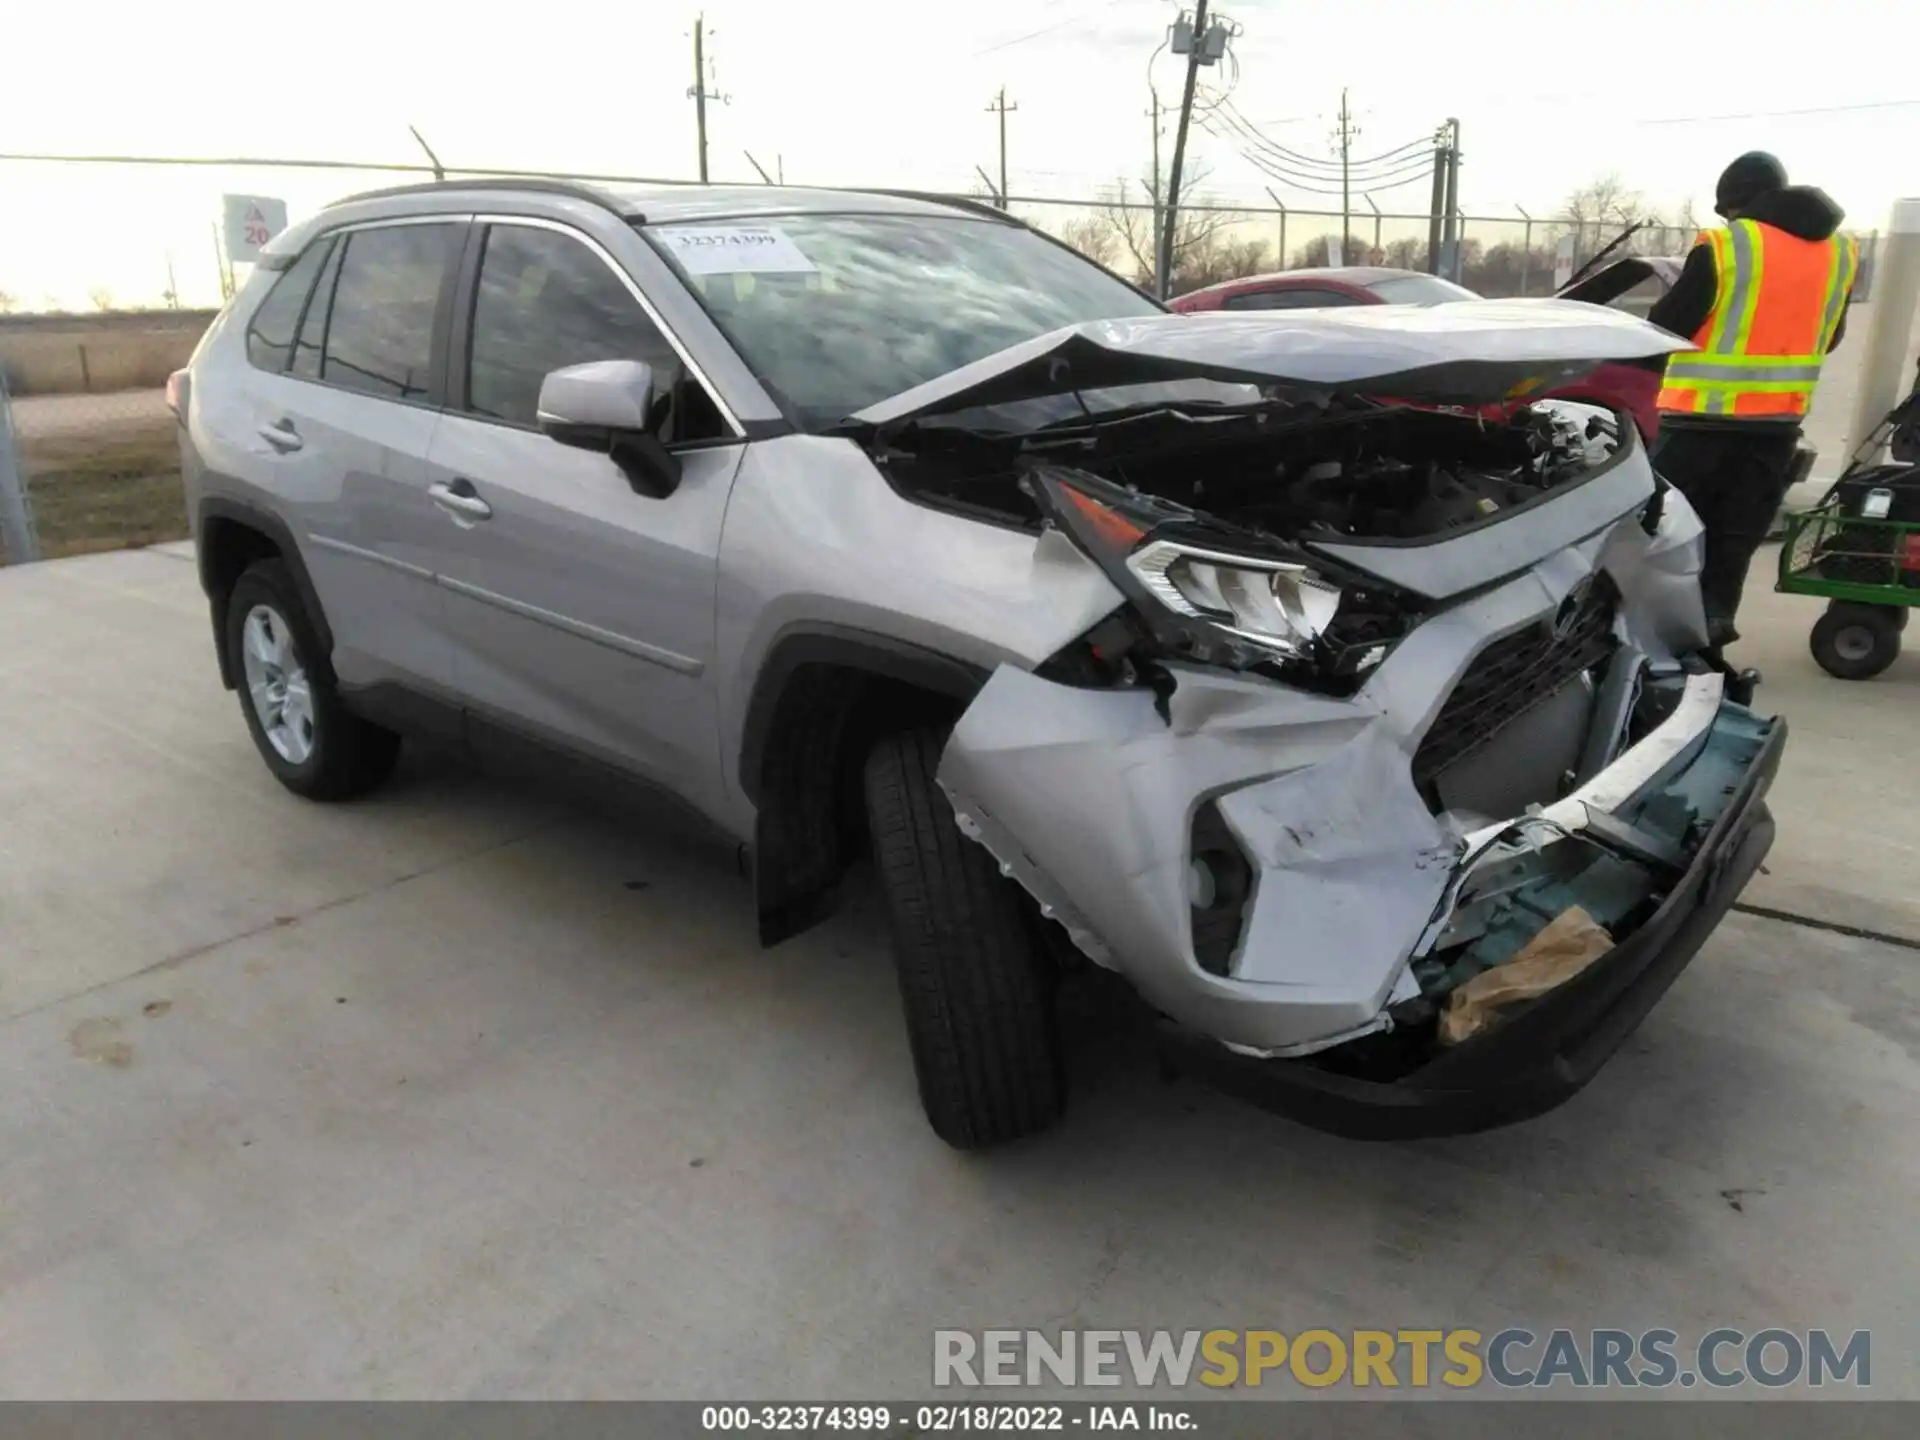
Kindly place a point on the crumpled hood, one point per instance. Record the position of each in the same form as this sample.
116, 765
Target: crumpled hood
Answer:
1467, 353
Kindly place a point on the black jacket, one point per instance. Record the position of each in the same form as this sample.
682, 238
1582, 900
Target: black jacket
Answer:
1800, 210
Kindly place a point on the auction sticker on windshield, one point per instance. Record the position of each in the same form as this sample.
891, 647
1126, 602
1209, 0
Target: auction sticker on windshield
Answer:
735, 250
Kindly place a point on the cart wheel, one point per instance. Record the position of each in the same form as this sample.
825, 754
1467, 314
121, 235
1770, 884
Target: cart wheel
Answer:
1898, 614
1856, 642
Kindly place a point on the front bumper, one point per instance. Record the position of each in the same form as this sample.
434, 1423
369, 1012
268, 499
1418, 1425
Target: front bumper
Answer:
1088, 799
1538, 1059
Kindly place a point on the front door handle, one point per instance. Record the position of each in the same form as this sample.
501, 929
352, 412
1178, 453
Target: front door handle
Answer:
282, 436
460, 501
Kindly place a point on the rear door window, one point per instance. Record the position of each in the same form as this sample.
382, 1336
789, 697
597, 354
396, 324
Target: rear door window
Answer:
379, 331
1298, 298
270, 332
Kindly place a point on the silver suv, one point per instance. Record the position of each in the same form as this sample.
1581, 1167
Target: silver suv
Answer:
1298, 666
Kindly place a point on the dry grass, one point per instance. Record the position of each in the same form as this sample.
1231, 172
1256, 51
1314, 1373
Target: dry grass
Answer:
105, 489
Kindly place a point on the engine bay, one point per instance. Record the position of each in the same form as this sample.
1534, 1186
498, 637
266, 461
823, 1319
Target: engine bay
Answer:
1251, 489
1358, 471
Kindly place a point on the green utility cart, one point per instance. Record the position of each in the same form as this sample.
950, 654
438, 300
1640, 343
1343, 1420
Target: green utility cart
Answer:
1859, 548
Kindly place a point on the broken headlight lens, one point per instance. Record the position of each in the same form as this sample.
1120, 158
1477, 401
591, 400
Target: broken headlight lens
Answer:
1283, 607
1207, 604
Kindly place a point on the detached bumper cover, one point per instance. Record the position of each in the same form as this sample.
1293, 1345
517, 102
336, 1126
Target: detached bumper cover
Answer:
1542, 1056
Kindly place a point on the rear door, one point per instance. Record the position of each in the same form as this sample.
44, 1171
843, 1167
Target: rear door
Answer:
347, 422
580, 611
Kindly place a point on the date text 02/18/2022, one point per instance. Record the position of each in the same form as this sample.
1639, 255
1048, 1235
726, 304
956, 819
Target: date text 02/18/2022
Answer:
944, 1419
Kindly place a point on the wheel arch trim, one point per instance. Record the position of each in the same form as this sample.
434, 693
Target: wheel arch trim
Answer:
264, 522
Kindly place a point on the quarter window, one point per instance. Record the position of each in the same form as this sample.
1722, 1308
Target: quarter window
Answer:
307, 349
270, 333
545, 301
379, 333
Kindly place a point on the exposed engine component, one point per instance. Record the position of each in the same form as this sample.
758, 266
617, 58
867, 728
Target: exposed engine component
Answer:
1387, 473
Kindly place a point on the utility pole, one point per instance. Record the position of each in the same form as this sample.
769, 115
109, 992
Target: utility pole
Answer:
1196, 53
1154, 115
1345, 138
1526, 248
1453, 226
698, 91
1001, 107
1280, 262
1436, 215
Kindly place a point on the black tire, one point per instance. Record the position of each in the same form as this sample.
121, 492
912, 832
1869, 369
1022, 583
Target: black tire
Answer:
974, 980
1856, 642
348, 756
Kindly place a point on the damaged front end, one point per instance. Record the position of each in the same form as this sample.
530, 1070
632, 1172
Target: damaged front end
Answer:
1340, 757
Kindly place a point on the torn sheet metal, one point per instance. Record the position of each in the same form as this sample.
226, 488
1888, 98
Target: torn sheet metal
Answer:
1658, 576
1087, 797
1351, 863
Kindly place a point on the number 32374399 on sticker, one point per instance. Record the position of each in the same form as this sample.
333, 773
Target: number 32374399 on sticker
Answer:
735, 250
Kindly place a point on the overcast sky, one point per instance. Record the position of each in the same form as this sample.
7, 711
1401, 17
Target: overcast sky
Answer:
1549, 96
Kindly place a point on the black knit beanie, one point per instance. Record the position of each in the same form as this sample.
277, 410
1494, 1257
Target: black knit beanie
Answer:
1746, 179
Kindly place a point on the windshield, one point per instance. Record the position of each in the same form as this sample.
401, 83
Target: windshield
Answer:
1420, 290
835, 312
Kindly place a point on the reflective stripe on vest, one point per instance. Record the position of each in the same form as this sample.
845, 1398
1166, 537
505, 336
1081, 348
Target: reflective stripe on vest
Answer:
1779, 301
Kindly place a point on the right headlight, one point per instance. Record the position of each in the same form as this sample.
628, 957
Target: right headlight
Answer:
1281, 606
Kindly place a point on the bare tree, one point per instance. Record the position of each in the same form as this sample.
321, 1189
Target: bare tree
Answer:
1318, 251
1603, 201
1599, 210
1093, 236
1409, 252
1223, 257
1195, 231
7, 302
101, 298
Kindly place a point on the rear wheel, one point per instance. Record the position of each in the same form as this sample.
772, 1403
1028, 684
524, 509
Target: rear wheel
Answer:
310, 741
974, 980
1856, 642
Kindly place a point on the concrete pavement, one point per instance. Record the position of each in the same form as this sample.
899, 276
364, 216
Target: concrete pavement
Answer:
457, 1092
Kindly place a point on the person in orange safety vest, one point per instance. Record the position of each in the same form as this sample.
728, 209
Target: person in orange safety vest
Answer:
1765, 299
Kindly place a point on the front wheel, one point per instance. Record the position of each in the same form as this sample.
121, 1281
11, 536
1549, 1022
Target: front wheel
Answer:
1856, 642
974, 981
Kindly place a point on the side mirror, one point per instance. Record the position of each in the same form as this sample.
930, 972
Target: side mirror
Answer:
604, 406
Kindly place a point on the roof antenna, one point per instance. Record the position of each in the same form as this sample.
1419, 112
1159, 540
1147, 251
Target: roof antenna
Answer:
439, 171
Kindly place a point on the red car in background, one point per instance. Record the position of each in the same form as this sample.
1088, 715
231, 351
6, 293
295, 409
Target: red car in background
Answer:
1637, 281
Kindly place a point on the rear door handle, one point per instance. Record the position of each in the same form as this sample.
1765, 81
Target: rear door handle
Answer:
282, 436
460, 501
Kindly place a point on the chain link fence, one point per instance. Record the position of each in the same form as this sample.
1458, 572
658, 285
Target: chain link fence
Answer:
92, 323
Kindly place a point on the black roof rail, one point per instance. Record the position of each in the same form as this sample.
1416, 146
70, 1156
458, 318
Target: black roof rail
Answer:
540, 185
957, 202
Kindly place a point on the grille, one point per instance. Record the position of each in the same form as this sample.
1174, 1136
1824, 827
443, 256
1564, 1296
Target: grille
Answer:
1514, 674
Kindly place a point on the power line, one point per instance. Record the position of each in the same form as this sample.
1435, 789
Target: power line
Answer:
1253, 135
1412, 174
1414, 163
1778, 114
1077, 15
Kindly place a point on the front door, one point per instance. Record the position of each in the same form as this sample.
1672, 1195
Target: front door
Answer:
580, 611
